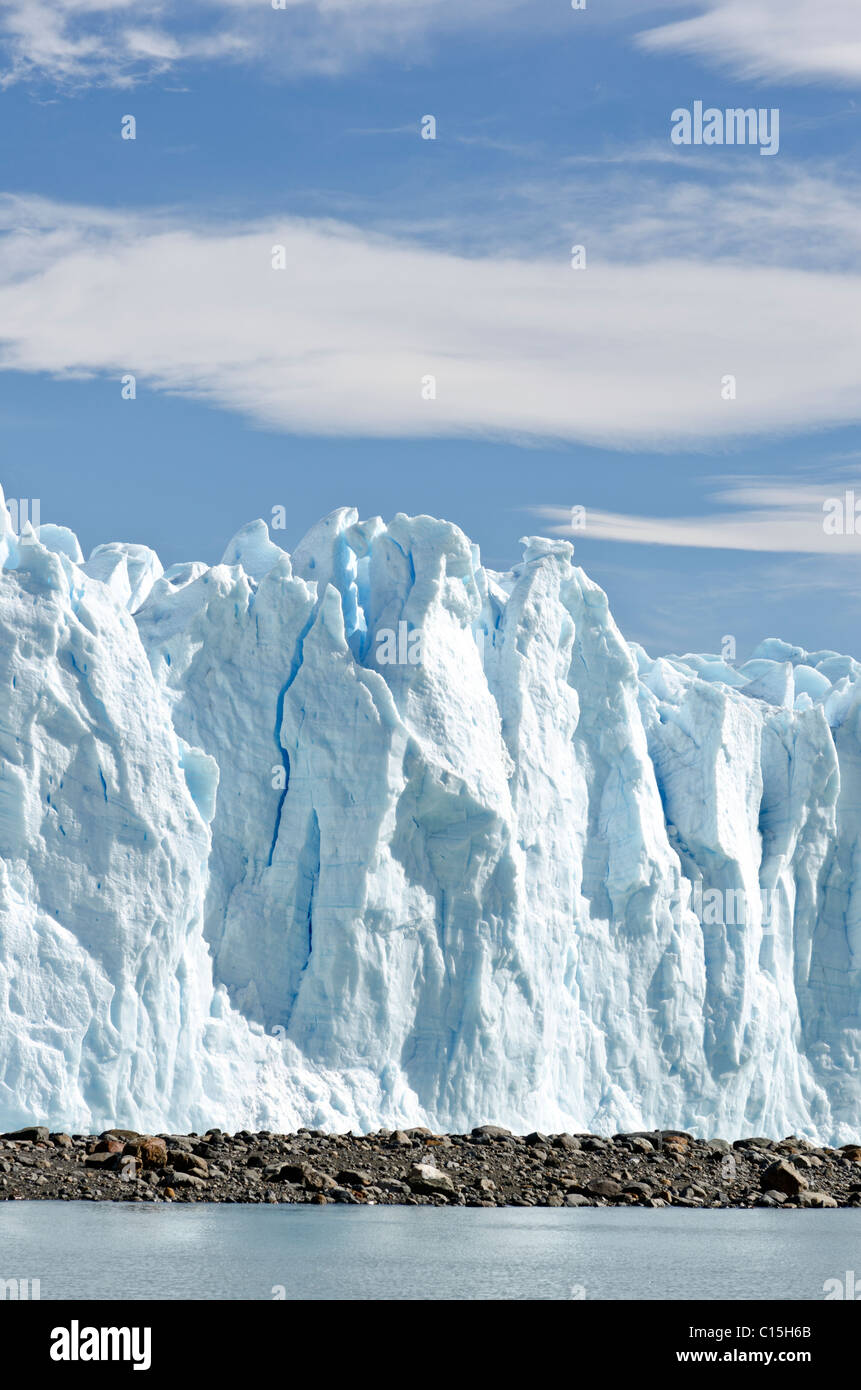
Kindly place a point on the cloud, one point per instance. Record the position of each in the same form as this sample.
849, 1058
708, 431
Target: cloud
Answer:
762, 515
772, 40
76, 43
341, 341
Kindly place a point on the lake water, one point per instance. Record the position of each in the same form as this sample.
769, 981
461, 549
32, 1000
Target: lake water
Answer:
125, 1251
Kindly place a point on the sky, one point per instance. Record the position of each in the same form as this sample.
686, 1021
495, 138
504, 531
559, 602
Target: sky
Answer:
425, 337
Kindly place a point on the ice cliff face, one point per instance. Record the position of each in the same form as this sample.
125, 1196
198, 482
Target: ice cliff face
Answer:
373, 835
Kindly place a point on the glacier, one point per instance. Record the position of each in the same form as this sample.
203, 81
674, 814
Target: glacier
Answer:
255, 872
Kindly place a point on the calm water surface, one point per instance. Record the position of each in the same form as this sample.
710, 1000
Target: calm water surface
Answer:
126, 1251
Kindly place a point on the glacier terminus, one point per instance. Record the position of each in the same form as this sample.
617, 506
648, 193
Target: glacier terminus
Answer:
372, 835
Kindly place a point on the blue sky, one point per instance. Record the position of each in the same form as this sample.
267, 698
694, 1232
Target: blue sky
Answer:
405, 257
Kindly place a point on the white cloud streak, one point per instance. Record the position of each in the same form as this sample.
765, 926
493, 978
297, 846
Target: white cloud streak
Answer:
340, 341
770, 40
758, 515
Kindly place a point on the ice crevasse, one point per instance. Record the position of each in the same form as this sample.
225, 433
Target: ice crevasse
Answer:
265, 860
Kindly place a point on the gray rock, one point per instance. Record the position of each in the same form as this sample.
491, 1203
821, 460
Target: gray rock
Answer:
185, 1180
604, 1187
424, 1178
37, 1134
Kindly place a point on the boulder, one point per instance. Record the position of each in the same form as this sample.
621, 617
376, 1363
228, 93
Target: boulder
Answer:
783, 1177
353, 1177
424, 1178
810, 1198
604, 1187
37, 1134
152, 1152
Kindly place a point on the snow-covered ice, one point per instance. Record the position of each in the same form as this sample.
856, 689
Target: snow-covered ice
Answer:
255, 874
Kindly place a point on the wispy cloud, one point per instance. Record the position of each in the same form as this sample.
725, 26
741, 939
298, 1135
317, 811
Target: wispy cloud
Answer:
774, 40
751, 514
121, 42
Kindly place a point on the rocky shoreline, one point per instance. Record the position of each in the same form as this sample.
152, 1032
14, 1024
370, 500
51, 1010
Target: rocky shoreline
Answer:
490, 1167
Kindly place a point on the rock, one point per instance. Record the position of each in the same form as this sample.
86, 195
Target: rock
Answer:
777, 1197
37, 1134
123, 1134
639, 1189
783, 1178
810, 1198
304, 1175
852, 1152
567, 1142
424, 1178
577, 1199
102, 1160
401, 1140
62, 1141
419, 1132
184, 1162
604, 1187
344, 1196
536, 1140
491, 1132
353, 1177
187, 1180
108, 1146
152, 1152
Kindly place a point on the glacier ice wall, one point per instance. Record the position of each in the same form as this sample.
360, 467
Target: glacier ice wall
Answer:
371, 834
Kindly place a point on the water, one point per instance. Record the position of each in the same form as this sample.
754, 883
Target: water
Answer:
127, 1251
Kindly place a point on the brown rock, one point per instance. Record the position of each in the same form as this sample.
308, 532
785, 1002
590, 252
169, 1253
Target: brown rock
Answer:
151, 1152
783, 1177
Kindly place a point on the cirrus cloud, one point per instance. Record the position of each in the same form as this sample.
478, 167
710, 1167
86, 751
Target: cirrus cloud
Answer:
775, 40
